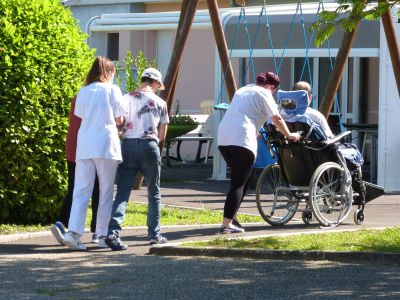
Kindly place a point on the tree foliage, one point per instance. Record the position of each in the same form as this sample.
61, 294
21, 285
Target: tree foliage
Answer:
43, 61
129, 73
347, 16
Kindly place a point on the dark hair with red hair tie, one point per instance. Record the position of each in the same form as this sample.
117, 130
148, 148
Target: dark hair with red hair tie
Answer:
267, 78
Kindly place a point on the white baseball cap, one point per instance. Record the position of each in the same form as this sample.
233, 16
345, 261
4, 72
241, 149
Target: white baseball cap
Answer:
154, 74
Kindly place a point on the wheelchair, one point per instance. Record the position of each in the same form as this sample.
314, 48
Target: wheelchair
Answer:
310, 177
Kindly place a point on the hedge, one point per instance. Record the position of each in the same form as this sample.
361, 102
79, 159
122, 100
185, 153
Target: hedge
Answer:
43, 62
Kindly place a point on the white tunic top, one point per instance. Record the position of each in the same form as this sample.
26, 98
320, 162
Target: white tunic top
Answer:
250, 108
98, 104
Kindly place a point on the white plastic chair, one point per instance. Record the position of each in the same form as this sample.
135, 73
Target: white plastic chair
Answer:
207, 108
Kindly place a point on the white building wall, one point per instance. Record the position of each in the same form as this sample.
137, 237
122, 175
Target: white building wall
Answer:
389, 112
83, 13
165, 43
196, 77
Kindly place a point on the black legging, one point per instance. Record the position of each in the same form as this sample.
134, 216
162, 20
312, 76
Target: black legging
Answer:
240, 160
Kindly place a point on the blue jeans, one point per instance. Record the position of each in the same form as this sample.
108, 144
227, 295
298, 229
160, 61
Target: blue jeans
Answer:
139, 155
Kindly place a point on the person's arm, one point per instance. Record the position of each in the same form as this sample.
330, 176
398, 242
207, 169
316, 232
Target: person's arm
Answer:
120, 107
162, 131
119, 121
280, 124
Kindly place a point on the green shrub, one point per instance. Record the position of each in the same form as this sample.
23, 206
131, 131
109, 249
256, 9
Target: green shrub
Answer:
43, 62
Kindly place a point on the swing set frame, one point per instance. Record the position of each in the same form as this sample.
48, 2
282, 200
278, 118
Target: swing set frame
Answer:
188, 11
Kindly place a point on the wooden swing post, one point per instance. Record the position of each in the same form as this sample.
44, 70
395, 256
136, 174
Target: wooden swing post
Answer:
188, 12
222, 47
393, 46
337, 72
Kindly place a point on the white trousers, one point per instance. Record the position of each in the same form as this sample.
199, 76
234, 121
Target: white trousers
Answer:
85, 174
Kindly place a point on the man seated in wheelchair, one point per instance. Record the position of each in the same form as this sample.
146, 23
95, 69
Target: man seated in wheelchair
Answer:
350, 151
294, 107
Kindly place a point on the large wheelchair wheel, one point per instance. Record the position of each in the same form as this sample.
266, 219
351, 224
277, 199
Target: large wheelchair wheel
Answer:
330, 202
275, 202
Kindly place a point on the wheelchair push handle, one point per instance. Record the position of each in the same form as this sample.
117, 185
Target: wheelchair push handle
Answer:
269, 132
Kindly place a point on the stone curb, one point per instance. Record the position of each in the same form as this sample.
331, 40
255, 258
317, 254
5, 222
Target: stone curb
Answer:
19, 236
374, 257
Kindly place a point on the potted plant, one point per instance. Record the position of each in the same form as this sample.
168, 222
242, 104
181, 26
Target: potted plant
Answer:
180, 125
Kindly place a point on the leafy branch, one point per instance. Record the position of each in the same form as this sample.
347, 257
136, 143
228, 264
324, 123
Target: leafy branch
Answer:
132, 68
347, 16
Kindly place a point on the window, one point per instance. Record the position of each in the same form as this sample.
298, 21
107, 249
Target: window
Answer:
113, 46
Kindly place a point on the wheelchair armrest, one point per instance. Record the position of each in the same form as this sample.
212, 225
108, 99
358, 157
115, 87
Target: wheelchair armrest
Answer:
335, 139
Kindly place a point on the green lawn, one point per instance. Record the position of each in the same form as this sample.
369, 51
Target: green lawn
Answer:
136, 216
387, 240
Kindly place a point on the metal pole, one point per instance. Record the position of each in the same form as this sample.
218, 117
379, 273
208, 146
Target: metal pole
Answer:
222, 47
393, 46
87, 28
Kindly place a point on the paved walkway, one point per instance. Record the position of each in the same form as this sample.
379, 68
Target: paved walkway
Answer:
38, 268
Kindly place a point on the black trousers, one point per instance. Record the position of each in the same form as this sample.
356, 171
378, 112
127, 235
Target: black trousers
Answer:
66, 207
240, 160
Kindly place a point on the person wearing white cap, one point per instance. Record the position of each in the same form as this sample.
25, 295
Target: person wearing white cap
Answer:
145, 125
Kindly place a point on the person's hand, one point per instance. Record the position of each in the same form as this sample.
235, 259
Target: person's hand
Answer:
294, 136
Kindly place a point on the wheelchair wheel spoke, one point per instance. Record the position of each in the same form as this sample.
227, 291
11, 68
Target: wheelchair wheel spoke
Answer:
274, 202
328, 203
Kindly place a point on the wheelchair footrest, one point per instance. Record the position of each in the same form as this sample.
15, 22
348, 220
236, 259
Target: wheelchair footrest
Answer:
373, 191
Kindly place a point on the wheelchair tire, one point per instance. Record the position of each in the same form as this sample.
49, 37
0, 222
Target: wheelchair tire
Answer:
275, 203
307, 217
328, 207
359, 217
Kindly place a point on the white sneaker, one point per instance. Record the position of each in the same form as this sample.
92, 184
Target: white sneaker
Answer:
102, 242
58, 232
73, 242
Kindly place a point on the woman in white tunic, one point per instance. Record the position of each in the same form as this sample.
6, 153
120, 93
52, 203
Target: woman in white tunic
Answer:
100, 106
251, 107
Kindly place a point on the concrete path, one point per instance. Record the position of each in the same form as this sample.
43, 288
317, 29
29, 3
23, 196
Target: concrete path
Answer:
39, 268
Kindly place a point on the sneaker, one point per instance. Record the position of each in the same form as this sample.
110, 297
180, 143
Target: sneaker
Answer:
115, 243
95, 238
72, 241
234, 229
159, 239
101, 241
58, 231
236, 223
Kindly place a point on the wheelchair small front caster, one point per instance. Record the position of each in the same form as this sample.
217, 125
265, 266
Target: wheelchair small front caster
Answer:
358, 217
307, 217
